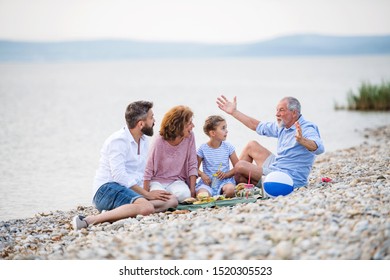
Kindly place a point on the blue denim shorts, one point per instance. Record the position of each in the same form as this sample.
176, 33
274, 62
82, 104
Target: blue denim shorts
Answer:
112, 195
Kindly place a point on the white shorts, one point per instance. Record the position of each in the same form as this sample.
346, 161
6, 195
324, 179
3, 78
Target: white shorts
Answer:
178, 188
267, 163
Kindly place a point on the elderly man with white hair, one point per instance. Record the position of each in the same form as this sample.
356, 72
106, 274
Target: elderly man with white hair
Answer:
299, 141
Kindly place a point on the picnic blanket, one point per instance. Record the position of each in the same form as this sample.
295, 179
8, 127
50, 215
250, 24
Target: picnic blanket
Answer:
218, 203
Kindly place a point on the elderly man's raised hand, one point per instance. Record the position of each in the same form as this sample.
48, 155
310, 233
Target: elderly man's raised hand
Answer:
307, 143
225, 105
298, 133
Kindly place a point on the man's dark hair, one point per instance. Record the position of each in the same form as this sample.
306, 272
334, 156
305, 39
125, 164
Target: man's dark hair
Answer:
137, 111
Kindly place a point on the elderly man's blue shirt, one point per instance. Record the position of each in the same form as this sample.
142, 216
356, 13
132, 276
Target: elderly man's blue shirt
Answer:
292, 157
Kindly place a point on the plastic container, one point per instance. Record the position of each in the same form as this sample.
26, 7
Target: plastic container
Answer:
249, 191
214, 182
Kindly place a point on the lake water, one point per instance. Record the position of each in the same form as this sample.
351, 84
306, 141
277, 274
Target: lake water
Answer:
54, 117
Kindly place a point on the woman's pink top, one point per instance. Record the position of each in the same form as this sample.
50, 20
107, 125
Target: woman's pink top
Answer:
167, 163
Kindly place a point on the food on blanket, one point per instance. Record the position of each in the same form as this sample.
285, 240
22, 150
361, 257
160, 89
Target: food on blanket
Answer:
202, 196
240, 187
221, 197
240, 190
204, 199
189, 200
199, 202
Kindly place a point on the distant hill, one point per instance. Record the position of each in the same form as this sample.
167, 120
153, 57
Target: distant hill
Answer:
301, 45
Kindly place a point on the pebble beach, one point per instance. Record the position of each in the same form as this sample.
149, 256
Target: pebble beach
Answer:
347, 218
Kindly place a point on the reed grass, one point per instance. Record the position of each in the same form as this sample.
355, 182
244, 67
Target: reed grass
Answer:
370, 97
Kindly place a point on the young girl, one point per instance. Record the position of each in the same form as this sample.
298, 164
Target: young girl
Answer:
217, 177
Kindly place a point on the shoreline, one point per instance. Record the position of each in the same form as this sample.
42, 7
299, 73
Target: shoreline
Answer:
348, 218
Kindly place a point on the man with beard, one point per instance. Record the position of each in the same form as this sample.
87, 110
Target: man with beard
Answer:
118, 185
298, 143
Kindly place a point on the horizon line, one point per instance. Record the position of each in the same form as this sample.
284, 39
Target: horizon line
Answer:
39, 41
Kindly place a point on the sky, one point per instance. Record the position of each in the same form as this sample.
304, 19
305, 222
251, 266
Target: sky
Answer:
203, 21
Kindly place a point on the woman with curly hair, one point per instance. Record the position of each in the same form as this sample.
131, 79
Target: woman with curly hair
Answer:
172, 163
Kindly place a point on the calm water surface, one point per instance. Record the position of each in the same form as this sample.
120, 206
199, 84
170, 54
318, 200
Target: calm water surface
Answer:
55, 117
